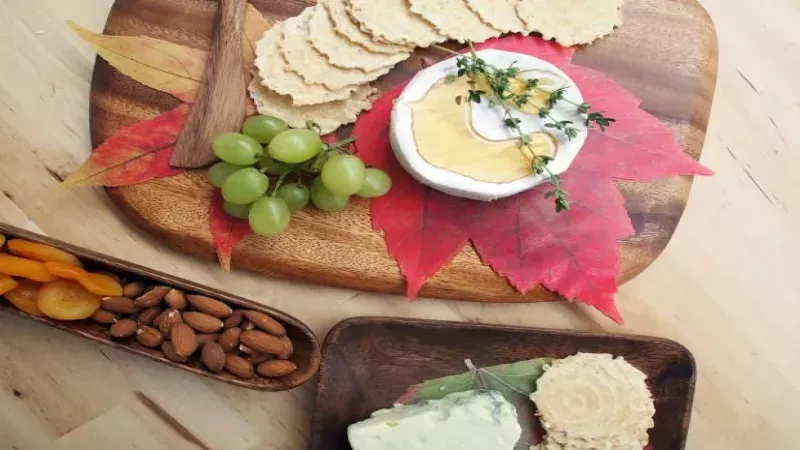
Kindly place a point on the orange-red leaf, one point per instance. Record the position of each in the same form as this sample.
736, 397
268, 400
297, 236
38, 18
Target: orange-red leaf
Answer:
574, 253
133, 155
226, 230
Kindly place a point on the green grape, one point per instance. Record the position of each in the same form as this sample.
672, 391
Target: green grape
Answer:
376, 183
220, 171
343, 174
235, 148
295, 146
295, 196
237, 211
325, 199
269, 216
263, 128
273, 167
245, 186
319, 162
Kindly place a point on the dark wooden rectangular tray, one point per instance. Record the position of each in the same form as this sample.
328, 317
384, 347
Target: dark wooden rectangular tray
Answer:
368, 362
306, 347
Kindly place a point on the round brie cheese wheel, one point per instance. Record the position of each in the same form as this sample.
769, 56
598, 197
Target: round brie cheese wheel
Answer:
463, 148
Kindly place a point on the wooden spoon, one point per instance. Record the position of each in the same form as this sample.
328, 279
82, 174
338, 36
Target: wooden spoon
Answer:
220, 104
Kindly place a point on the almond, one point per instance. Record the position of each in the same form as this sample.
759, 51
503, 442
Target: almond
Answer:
229, 339
175, 299
169, 352
123, 328
265, 322
168, 319
184, 340
233, 320
247, 325
132, 290
276, 368
202, 322
288, 348
206, 338
147, 316
258, 358
239, 366
152, 297
104, 317
245, 349
262, 342
122, 305
213, 357
149, 337
210, 306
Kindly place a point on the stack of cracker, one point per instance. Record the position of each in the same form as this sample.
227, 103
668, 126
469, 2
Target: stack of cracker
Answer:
317, 66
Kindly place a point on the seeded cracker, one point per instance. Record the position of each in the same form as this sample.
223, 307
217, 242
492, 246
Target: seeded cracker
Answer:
345, 26
276, 76
500, 14
571, 22
343, 53
329, 116
393, 21
310, 64
454, 19
594, 401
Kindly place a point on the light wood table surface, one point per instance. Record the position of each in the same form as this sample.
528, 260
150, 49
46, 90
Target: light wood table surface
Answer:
727, 286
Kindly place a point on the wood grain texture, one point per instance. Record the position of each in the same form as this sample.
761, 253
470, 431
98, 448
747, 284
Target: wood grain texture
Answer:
220, 106
389, 355
674, 74
306, 354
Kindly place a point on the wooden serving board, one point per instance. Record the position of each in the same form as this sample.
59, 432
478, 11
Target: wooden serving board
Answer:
665, 53
388, 355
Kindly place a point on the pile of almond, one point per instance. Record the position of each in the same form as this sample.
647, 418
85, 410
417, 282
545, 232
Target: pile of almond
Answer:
242, 342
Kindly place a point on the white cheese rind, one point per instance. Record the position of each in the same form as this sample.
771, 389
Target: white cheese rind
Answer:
449, 182
472, 420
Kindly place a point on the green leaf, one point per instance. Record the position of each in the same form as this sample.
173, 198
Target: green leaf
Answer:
515, 381
450, 78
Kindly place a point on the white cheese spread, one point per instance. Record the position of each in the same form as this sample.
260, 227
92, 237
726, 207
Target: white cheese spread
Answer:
480, 125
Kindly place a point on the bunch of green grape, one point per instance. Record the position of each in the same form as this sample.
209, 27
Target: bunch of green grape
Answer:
303, 168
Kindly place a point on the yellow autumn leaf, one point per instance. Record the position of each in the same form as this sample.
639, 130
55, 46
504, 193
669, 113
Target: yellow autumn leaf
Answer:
171, 68
254, 27
163, 65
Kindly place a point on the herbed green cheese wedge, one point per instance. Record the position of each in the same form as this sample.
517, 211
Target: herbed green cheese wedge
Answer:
471, 420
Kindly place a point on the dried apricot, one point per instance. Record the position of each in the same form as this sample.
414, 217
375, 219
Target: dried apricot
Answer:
24, 297
94, 282
66, 300
40, 252
7, 283
25, 268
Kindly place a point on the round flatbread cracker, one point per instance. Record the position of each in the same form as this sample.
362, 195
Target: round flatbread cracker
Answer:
454, 19
393, 21
329, 116
345, 26
343, 53
303, 59
500, 14
278, 78
571, 22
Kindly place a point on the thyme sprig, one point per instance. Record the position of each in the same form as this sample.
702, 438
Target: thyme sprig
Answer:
499, 80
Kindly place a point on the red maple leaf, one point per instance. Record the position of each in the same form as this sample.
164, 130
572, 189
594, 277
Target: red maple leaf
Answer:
574, 253
135, 154
226, 231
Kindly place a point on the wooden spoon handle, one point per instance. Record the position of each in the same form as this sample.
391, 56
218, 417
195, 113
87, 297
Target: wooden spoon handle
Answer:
220, 104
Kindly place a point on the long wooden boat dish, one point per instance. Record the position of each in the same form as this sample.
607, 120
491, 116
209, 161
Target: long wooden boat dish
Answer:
306, 346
